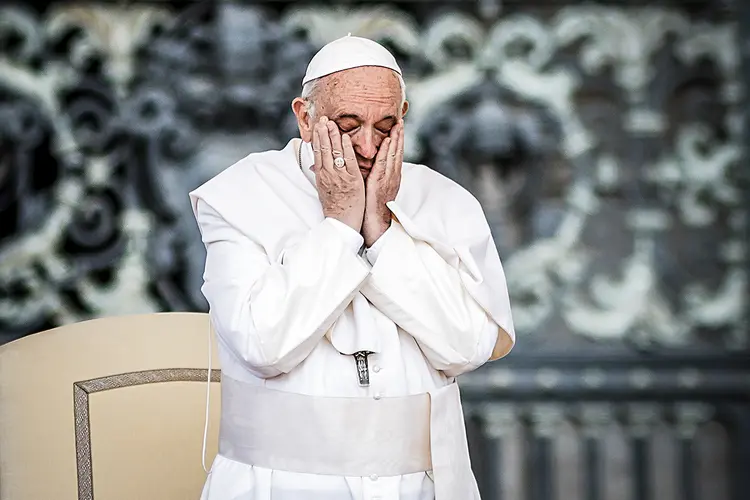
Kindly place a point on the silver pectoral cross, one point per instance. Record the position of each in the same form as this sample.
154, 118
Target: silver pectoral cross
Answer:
363, 370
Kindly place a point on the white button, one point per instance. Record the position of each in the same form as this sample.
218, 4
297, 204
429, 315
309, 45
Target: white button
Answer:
376, 368
374, 477
377, 395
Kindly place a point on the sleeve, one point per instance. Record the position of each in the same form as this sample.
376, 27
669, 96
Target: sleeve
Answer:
272, 314
453, 302
372, 253
353, 239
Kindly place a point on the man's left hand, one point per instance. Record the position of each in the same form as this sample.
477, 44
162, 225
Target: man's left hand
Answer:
382, 185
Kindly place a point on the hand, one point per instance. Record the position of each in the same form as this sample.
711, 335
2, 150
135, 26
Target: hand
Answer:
382, 185
341, 190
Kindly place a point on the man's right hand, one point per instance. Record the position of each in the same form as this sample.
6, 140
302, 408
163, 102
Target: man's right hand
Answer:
341, 189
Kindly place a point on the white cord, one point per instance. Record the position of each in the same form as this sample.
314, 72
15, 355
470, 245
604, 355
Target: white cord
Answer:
208, 399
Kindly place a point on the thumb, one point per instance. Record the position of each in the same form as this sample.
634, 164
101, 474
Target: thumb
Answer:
381, 159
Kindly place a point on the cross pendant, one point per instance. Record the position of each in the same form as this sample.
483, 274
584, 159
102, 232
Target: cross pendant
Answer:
363, 370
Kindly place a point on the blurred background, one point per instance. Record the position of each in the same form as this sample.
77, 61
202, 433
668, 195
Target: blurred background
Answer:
604, 140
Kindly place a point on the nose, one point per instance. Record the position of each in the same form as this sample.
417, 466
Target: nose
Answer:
366, 144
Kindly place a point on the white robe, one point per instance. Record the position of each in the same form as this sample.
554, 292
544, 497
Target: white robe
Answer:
291, 291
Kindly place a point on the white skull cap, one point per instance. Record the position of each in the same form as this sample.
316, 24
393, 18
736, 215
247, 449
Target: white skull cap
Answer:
346, 53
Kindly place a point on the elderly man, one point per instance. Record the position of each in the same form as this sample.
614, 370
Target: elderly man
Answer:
348, 289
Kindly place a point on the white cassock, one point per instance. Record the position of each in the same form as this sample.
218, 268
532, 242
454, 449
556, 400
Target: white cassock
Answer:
292, 295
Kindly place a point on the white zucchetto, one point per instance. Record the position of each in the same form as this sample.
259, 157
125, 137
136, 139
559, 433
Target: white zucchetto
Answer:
346, 53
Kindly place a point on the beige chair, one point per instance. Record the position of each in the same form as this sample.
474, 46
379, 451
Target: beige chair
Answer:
108, 409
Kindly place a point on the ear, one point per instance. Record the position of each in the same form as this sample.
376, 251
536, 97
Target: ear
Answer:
304, 120
404, 109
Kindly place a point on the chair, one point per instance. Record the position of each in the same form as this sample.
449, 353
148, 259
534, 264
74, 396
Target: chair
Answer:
108, 409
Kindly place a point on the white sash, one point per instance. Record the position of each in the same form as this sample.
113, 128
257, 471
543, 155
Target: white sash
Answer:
357, 437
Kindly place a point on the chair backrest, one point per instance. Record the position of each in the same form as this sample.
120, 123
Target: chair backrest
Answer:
111, 408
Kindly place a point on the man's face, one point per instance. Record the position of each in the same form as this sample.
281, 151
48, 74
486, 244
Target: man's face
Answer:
365, 104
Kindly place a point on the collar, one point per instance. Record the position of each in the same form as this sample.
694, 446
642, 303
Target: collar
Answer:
308, 160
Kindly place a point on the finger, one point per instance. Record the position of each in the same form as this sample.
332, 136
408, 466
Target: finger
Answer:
349, 157
400, 149
335, 136
316, 149
392, 150
325, 144
382, 157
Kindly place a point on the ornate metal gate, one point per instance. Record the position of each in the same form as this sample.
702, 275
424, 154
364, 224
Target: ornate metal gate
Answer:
604, 141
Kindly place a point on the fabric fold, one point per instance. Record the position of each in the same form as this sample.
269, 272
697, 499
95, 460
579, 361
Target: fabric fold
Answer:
449, 450
355, 330
475, 257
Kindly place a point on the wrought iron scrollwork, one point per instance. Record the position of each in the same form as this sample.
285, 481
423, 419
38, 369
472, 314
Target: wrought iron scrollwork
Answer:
603, 143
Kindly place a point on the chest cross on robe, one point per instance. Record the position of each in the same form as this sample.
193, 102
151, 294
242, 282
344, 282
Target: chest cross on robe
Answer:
363, 370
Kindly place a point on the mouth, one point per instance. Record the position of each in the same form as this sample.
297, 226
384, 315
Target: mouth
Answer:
365, 165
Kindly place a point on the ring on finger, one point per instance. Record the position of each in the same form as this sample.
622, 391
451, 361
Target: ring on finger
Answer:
339, 162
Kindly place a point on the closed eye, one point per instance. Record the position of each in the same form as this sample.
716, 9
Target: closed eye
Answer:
385, 125
347, 124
